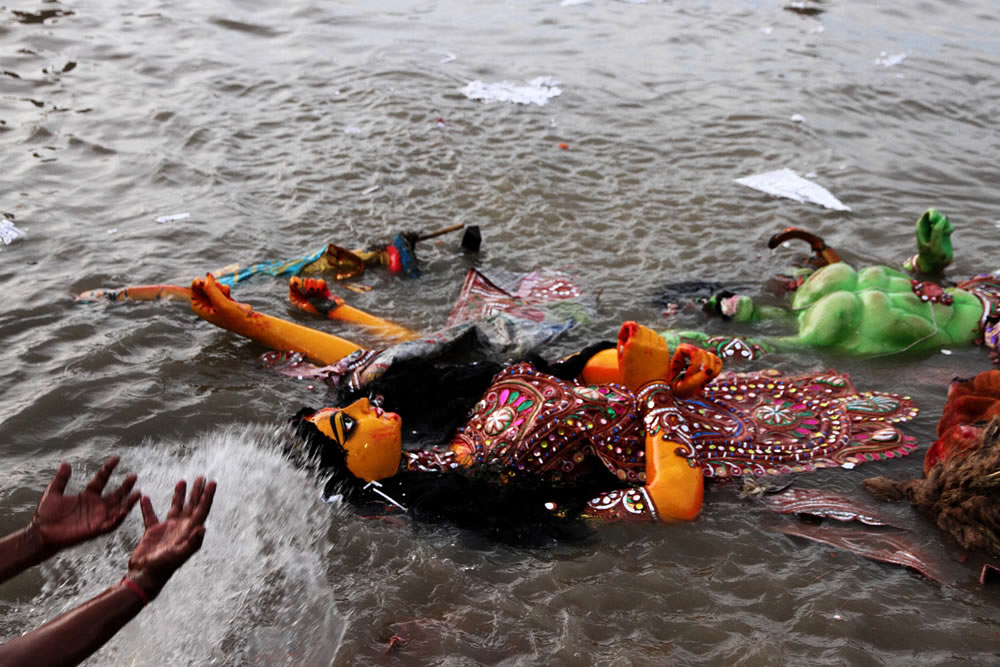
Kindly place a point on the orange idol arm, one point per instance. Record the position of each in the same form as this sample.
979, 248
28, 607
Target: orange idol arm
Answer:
211, 302
313, 295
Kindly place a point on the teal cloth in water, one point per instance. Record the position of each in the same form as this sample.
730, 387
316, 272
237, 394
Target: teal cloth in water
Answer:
291, 267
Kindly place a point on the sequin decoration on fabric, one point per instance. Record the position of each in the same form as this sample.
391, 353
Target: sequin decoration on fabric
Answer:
986, 287
623, 505
734, 348
931, 292
530, 423
768, 424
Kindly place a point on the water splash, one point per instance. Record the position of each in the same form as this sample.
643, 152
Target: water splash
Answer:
256, 593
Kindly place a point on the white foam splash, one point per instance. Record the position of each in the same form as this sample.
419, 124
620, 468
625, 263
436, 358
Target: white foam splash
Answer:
786, 183
256, 592
537, 91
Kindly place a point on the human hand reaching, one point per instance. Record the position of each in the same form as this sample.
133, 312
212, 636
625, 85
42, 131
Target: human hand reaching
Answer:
168, 544
62, 521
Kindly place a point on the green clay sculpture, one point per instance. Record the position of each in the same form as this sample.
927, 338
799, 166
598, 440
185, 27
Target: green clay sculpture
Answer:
873, 311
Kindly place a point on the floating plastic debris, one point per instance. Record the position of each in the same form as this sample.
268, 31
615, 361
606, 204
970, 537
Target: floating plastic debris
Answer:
537, 91
890, 60
173, 218
113, 230
9, 233
370, 189
352, 130
570, 3
798, 118
786, 183
448, 56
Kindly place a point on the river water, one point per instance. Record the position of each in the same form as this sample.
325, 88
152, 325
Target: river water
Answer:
283, 126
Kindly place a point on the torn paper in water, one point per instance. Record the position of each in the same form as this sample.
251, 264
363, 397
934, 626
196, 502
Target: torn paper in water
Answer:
537, 91
786, 183
9, 233
889, 59
173, 218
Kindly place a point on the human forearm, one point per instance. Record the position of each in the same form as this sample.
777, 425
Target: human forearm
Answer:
72, 637
20, 550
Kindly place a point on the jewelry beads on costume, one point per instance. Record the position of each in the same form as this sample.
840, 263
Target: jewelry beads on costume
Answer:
532, 423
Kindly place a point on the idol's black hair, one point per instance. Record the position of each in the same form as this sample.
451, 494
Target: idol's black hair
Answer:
434, 396
512, 510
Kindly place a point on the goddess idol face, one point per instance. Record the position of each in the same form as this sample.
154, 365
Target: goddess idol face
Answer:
371, 437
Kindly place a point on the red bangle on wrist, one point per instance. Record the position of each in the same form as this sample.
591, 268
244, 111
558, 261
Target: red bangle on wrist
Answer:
135, 588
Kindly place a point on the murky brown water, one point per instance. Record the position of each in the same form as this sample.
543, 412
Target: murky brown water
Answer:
273, 123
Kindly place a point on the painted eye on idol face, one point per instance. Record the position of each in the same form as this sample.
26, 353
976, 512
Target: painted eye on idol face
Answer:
343, 424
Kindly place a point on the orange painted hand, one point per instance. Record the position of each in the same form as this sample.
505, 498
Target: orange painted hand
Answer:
211, 301
643, 356
691, 369
62, 521
312, 295
168, 544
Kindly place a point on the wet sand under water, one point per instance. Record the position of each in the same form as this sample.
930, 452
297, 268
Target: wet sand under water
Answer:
282, 128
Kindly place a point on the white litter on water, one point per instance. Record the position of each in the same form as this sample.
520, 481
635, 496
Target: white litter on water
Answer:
173, 218
570, 3
798, 118
946, 352
352, 130
448, 56
537, 91
369, 190
9, 233
847, 466
113, 230
786, 183
890, 60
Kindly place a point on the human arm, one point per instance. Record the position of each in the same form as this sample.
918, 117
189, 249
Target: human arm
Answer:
62, 521
165, 546
211, 301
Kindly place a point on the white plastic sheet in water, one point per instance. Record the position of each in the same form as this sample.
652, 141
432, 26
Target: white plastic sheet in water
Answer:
9, 233
886, 59
537, 91
163, 219
786, 183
